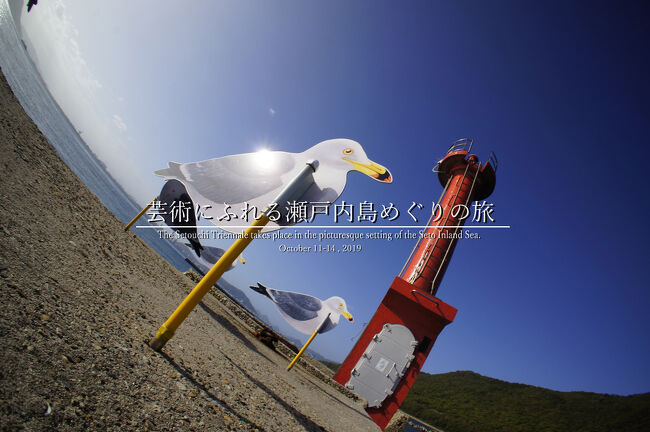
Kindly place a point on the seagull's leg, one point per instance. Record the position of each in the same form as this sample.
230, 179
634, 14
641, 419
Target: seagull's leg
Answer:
126, 228
167, 330
304, 347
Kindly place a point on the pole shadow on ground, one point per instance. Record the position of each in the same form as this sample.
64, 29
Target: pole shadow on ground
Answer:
188, 375
225, 323
305, 421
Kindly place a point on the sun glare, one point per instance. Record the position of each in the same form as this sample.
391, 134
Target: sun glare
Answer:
263, 159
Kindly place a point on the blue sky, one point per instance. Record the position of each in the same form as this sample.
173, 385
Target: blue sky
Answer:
558, 91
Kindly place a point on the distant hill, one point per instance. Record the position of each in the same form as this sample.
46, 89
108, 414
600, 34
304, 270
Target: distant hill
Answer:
238, 295
468, 402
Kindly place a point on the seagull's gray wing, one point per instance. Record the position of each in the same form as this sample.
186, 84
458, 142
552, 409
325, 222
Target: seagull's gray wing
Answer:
232, 179
300, 307
173, 198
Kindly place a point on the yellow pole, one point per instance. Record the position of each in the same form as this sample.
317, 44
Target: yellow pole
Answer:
166, 331
126, 228
304, 347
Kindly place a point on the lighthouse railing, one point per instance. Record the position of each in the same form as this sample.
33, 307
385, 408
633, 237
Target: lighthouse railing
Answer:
463, 144
493, 161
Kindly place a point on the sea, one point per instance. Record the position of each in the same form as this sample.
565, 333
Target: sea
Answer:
30, 89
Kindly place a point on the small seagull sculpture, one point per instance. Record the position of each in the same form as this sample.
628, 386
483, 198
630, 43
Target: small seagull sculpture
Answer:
306, 313
227, 184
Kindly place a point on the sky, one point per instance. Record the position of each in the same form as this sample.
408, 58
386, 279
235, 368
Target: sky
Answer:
558, 91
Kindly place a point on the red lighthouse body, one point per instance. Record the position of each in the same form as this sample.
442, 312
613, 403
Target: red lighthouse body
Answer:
384, 363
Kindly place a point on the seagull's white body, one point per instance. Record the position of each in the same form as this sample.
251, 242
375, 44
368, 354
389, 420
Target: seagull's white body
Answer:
224, 185
307, 313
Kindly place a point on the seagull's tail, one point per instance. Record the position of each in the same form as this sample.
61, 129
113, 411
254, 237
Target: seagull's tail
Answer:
260, 289
173, 171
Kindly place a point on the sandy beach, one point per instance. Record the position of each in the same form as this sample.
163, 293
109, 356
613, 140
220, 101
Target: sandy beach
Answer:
80, 299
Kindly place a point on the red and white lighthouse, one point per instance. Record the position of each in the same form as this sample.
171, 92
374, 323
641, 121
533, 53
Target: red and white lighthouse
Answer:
384, 363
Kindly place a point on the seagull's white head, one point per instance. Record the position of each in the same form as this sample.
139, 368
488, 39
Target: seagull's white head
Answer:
338, 307
348, 155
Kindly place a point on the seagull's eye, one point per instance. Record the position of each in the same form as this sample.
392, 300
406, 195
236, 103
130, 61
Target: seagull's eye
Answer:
348, 151
340, 304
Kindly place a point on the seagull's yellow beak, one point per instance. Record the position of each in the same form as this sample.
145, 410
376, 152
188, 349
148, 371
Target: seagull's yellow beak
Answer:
241, 258
346, 314
373, 170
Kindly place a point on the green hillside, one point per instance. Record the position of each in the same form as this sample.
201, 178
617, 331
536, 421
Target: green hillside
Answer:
469, 402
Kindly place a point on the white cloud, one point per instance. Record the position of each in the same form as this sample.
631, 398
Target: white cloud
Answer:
119, 123
271, 112
61, 60
53, 42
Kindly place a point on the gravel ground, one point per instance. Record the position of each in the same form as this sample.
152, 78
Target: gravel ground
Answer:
80, 298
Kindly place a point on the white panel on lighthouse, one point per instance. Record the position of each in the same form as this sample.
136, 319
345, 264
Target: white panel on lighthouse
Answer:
383, 364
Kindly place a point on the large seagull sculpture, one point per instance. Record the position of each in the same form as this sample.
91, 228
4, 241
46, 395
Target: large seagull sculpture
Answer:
255, 182
224, 185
